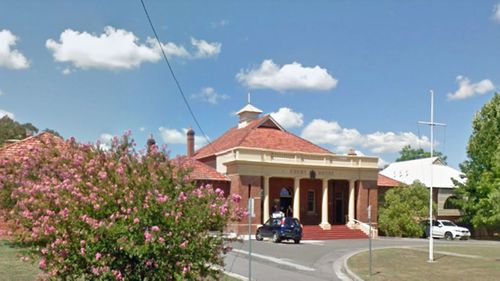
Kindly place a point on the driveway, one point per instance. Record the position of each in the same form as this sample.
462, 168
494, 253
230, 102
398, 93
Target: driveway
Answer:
309, 260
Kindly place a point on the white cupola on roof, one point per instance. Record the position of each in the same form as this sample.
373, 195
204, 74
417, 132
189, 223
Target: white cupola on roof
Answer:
248, 114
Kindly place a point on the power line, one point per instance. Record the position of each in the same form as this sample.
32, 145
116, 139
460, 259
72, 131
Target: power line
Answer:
173, 75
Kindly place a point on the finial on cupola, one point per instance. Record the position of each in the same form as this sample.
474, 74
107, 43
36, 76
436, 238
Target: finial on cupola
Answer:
248, 113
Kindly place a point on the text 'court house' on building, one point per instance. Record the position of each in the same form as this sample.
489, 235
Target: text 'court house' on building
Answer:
260, 159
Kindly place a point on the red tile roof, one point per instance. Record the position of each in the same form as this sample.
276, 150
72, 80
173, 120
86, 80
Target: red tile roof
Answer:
201, 171
14, 149
260, 133
386, 181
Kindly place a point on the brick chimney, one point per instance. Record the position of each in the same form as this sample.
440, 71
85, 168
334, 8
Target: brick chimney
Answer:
190, 142
352, 152
151, 142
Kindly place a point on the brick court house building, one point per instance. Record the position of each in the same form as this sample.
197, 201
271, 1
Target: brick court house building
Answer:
258, 158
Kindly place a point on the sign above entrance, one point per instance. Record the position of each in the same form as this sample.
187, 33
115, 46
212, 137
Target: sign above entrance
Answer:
312, 173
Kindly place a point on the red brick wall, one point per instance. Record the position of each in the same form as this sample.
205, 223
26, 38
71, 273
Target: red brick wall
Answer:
366, 194
310, 218
275, 186
307, 218
239, 184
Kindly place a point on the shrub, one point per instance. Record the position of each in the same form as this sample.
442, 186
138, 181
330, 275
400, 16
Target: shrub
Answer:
404, 207
116, 214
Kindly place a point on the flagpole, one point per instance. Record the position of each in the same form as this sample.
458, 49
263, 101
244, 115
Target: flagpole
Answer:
431, 124
431, 239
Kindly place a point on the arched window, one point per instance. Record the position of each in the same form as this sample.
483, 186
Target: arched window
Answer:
450, 203
285, 192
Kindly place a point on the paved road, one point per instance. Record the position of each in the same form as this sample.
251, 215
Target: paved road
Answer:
310, 260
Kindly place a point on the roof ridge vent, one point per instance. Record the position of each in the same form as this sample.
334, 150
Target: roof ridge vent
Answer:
247, 114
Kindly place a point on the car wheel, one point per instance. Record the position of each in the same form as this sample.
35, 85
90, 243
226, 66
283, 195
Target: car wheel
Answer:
258, 236
276, 238
296, 241
448, 236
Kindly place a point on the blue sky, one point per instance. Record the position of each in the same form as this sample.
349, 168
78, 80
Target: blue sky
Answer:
343, 74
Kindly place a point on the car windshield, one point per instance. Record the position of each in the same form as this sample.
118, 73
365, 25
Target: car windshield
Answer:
292, 222
448, 223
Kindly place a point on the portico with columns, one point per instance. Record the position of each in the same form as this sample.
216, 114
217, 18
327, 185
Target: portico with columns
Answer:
322, 189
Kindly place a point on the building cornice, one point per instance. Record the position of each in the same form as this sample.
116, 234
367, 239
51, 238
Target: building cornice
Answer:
295, 159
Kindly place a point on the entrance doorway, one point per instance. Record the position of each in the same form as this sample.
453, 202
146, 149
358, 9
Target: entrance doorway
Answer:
286, 201
338, 204
340, 191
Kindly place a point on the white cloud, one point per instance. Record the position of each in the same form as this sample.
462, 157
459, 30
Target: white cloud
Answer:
11, 58
220, 23
209, 95
66, 71
287, 77
6, 113
114, 49
205, 49
1, 93
142, 129
105, 141
380, 142
342, 139
382, 163
174, 136
323, 132
496, 13
170, 49
119, 49
287, 118
467, 90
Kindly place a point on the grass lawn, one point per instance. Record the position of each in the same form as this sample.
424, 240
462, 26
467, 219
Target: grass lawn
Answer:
411, 264
11, 266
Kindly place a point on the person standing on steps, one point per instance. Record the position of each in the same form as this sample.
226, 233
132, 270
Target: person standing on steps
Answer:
289, 211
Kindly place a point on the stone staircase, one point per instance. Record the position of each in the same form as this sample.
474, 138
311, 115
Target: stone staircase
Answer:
314, 232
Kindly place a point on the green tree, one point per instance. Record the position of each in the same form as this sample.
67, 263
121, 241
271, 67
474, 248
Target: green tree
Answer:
403, 209
479, 197
55, 133
10, 129
409, 153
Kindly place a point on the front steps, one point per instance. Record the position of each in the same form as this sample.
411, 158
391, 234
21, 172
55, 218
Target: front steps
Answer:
314, 232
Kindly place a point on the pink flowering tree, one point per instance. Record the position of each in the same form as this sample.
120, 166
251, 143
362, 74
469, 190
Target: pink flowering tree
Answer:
115, 214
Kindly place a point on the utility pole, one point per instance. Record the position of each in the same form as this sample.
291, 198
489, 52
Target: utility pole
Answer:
370, 237
431, 124
250, 216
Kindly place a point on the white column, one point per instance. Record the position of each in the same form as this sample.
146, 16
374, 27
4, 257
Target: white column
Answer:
324, 206
266, 199
296, 198
351, 201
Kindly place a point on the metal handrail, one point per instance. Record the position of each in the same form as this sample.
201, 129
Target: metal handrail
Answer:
363, 226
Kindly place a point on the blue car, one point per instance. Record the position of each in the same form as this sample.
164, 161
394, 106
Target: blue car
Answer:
279, 229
